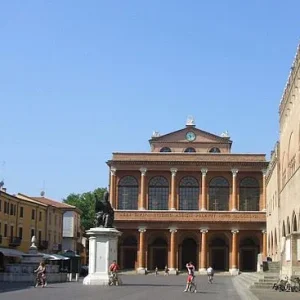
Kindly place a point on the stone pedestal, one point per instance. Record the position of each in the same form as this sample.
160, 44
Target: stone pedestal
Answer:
103, 246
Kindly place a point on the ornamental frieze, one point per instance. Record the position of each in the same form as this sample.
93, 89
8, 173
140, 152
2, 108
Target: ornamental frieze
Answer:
169, 216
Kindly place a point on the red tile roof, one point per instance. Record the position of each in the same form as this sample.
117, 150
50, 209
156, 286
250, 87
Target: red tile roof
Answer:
52, 202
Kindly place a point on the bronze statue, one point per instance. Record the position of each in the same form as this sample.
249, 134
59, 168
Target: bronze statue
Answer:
104, 212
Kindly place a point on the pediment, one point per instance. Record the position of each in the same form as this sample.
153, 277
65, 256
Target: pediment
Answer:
201, 136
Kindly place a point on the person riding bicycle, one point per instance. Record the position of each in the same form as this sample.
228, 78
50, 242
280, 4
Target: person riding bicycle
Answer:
114, 268
41, 274
210, 274
191, 275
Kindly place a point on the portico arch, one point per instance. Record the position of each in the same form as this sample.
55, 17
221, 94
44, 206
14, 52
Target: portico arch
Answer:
219, 252
158, 253
249, 248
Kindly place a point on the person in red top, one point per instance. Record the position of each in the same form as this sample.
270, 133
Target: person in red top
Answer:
114, 267
191, 275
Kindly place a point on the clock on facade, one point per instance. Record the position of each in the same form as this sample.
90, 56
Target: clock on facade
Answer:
190, 136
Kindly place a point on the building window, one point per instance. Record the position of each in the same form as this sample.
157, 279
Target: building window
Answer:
11, 231
50, 216
189, 193
0, 205
218, 194
33, 214
55, 220
20, 232
190, 150
128, 190
21, 212
40, 237
165, 149
40, 216
249, 194
11, 209
32, 233
6, 207
214, 150
158, 194
5, 230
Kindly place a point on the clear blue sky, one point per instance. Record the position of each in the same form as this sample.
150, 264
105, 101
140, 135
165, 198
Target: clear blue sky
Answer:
82, 79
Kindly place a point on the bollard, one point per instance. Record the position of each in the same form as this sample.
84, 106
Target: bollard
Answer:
77, 277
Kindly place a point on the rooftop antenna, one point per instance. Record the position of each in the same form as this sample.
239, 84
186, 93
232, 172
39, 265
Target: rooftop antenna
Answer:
43, 189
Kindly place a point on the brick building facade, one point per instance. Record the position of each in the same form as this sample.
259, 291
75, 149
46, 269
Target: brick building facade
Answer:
189, 199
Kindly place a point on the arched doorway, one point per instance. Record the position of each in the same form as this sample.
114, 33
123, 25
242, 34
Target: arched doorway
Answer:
219, 254
158, 251
249, 248
189, 252
129, 252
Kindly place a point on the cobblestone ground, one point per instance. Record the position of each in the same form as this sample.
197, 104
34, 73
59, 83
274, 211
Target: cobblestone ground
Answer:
274, 295
133, 288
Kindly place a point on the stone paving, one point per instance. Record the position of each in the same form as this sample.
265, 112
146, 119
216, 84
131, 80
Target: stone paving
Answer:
140, 288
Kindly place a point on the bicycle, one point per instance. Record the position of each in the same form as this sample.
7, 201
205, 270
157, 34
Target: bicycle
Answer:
210, 278
191, 287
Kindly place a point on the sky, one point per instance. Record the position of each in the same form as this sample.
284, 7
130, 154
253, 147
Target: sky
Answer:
82, 79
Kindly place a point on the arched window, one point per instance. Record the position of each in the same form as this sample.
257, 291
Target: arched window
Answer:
158, 195
214, 150
190, 150
188, 193
249, 194
218, 194
128, 190
165, 149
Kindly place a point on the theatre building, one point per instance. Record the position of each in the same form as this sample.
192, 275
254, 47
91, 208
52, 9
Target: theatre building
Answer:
189, 199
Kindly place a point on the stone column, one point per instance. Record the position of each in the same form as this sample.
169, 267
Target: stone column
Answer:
203, 259
112, 191
264, 245
263, 202
234, 254
234, 194
173, 251
173, 189
142, 204
141, 258
203, 198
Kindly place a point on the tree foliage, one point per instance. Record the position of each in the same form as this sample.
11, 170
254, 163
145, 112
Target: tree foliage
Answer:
86, 203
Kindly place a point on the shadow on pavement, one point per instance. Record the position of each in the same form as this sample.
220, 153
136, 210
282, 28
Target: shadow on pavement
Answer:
14, 286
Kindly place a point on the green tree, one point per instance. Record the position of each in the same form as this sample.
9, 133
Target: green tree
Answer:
86, 203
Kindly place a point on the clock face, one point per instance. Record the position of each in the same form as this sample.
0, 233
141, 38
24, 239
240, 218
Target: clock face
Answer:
190, 136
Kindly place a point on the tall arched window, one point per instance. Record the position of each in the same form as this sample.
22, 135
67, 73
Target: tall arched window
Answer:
128, 190
165, 149
249, 194
188, 193
190, 150
219, 194
158, 195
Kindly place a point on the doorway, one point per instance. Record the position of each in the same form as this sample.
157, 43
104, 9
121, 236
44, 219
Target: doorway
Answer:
189, 252
129, 252
249, 248
158, 252
219, 254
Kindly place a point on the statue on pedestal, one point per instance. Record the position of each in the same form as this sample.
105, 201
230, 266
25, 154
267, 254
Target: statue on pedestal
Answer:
104, 212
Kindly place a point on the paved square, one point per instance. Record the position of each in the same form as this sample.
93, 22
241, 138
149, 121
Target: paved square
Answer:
133, 288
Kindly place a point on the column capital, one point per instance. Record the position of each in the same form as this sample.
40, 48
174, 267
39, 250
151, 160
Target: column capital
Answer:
173, 171
234, 172
143, 171
264, 231
204, 171
264, 172
203, 230
234, 231
142, 229
173, 230
113, 171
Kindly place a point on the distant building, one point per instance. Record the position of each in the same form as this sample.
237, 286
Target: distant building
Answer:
189, 199
283, 180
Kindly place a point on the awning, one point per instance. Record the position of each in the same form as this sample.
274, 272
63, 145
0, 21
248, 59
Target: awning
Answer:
11, 252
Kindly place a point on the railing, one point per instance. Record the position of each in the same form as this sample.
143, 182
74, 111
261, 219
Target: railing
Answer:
15, 241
